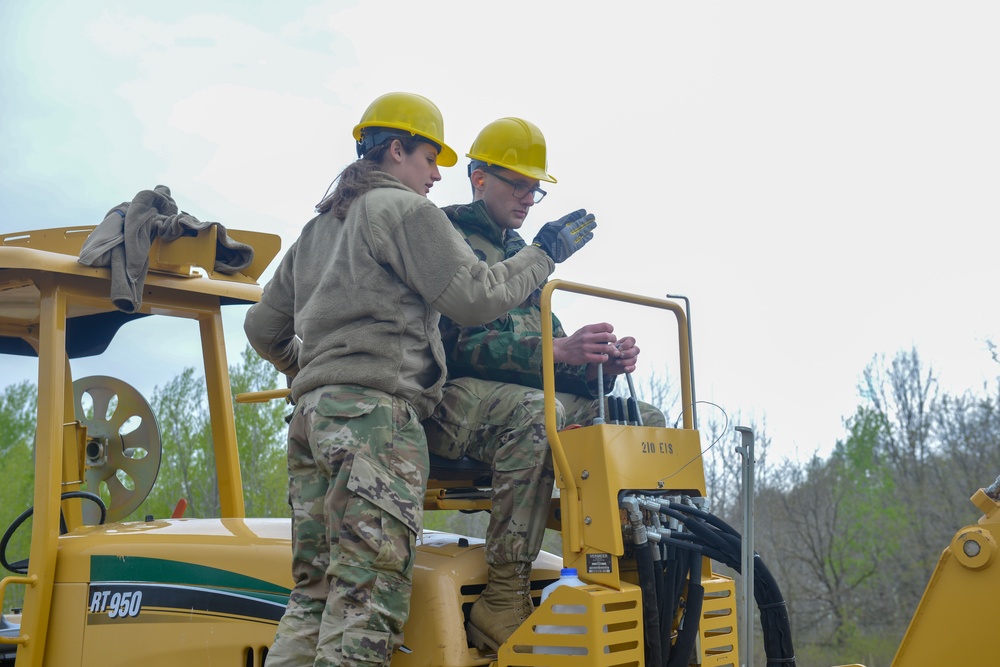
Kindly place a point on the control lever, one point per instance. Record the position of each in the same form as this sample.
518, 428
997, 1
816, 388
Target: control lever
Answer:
633, 413
613, 415
633, 401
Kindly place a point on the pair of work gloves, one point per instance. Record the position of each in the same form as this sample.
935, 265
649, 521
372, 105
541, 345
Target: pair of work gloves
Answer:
563, 237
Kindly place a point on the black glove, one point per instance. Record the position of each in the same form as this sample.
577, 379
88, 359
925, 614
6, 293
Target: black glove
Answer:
562, 237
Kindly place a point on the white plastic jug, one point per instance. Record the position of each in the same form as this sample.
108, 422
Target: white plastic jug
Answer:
567, 577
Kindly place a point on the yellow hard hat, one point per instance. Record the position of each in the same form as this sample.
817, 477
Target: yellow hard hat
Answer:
411, 113
515, 144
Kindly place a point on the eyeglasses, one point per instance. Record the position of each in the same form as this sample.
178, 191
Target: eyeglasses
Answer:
520, 189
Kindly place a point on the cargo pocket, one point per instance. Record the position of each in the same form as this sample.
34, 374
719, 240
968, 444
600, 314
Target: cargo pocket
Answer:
381, 522
344, 421
525, 443
345, 404
367, 646
523, 459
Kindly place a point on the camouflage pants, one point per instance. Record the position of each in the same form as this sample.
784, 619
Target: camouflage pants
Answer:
504, 425
357, 463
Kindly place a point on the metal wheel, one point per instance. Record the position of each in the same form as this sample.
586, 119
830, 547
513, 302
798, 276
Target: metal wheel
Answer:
123, 444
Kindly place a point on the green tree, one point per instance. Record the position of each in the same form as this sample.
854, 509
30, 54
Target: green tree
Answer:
856, 535
904, 397
187, 469
876, 522
18, 403
17, 415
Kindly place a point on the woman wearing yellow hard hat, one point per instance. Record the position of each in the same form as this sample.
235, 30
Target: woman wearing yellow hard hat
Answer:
402, 114
351, 317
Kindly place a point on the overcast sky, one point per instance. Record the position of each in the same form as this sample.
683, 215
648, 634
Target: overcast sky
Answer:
820, 179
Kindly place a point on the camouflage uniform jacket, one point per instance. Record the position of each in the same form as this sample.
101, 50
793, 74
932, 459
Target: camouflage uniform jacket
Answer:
508, 349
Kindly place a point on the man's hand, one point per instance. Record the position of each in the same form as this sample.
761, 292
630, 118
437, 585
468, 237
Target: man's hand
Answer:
596, 344
562, 237
592, 344
628, 354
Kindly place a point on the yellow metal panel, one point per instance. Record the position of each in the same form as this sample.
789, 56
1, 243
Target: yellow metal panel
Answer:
62, 240
718, 630
57, 251
603, 460
451, 568
612, 619
265, 248
954, 623
67, 637
180, 255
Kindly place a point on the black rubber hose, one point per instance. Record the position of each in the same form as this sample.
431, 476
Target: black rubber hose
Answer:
661, 590
774, 619
690, 555
775, 625
668, 601
680, 655
658, 579
680, 576
705, 516
726, 547
700, 529
650, 609
21, 567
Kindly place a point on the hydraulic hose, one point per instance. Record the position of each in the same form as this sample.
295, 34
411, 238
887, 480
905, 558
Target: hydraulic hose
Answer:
774, 619
681, 573
680, 655
667, 600
700, 529
659, 580
705, 516
650, 606
722, 543
661, 593
647, 581
707, 535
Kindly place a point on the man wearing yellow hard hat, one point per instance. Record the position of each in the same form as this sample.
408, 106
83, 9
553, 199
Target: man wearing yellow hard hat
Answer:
492, 409
347, 317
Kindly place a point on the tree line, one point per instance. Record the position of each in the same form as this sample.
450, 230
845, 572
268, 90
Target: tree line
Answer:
851, 537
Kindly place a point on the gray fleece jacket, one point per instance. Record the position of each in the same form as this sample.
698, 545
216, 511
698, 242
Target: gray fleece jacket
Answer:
357, 301
123, 239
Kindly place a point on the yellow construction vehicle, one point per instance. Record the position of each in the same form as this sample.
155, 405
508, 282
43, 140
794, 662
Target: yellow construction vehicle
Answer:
170, 590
